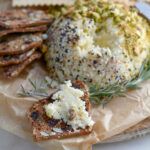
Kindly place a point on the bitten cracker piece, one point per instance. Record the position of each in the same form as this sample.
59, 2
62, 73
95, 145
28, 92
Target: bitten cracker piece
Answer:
14, 70
44, 128
19, 18
4, 31
17, 44
15, 59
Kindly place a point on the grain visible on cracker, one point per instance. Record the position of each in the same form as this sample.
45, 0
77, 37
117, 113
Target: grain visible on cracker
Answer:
19, 18
24, 3
15, 59
44, 128
17, 44
5, 31
14, 70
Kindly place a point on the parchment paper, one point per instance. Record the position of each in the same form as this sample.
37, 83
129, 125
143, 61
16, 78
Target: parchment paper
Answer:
118, 115
115, 117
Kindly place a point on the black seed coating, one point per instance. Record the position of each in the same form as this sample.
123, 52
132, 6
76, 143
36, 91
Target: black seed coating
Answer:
116, 77
66, 50
57, 59
77, 77
94, 61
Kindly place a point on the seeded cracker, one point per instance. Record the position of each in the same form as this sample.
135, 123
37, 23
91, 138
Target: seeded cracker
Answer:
5, 31
17, 44
19, 18
25, 3
15, 59
14, 70
44, 128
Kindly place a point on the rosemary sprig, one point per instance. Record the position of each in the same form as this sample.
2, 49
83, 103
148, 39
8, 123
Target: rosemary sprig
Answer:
37, 90
102, 96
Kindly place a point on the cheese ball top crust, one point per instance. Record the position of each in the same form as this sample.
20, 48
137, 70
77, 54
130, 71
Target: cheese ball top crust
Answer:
104, 45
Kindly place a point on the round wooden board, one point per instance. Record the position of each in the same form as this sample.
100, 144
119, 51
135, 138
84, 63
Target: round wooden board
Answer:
141, 129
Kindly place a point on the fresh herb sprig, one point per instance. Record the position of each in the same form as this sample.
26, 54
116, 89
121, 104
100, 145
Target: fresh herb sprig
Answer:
38, 90
102, 96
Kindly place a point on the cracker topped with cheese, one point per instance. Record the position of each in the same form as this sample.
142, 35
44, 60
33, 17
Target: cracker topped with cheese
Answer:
65, 113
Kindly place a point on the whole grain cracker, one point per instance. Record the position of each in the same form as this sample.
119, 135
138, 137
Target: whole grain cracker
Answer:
7, 60
41, 2
44, 128
5, 31
13, 71
20, 18
17, 44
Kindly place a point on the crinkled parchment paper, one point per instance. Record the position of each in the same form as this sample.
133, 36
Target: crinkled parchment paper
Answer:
115, 117
118, 115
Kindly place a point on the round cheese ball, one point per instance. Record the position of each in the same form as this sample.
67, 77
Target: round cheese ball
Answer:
98, 42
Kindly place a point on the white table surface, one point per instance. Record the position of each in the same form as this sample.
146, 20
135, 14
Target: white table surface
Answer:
12, 142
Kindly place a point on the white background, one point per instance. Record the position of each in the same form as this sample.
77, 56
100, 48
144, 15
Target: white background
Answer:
12, 142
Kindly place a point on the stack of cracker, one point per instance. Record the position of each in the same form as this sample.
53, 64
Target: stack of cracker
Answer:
20, 37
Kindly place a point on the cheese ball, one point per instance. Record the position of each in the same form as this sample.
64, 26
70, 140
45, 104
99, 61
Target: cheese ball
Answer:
98, 42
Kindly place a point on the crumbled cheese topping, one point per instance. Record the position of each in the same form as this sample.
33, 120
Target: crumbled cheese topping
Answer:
66, 99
